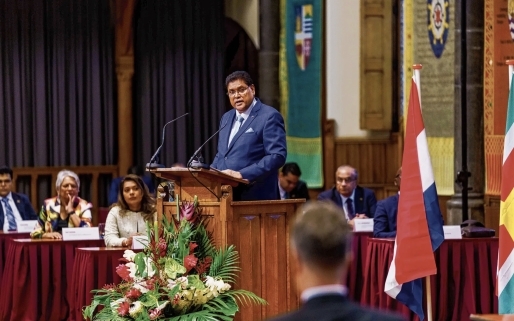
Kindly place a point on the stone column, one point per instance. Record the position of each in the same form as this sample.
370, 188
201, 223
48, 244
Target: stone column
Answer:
124, 44
269, 33
475, 111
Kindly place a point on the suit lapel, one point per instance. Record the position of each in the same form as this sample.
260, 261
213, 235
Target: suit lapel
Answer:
246, 124
225, 132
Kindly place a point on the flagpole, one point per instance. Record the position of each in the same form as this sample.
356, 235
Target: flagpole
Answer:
417, 79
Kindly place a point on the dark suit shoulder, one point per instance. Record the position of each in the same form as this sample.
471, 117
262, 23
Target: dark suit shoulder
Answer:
330, 308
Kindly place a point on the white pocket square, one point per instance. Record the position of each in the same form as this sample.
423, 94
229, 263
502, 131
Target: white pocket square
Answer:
249, 130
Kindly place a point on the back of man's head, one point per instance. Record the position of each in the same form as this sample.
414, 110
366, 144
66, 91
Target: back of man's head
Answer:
321, 235
292, 168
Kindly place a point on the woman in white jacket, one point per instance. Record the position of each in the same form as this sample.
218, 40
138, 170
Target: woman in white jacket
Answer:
129, 215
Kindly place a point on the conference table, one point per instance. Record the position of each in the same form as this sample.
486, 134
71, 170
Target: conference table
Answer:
464, 284
35, 278
102, 260
4, 237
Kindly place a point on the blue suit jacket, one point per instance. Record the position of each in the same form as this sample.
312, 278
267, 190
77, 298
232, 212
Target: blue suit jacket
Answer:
384, 223
257, 151
24, 207
365, 200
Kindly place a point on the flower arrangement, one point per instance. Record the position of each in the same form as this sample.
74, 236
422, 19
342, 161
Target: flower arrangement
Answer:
180, 275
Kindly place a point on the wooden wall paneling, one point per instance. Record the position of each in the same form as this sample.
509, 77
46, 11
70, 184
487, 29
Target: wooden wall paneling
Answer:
492, 212
376, 65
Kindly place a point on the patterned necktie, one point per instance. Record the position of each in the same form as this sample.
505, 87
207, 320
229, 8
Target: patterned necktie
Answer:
349, 208
236, 127
9, 214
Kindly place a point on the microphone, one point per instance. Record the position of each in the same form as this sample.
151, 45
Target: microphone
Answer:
198, 163
155, 158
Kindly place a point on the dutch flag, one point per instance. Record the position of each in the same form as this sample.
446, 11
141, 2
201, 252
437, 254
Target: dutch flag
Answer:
419, 224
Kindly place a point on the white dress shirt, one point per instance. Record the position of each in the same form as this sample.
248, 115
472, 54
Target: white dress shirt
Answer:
343, 199
15, 211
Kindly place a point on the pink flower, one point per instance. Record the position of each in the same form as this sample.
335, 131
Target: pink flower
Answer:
123, 272
133, 294
154, 314
124, 308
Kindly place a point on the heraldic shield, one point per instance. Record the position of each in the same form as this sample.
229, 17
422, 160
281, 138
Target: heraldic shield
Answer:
438, 12
303, 34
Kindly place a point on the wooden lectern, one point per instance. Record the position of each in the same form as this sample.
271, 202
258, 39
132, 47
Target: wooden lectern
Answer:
258, 229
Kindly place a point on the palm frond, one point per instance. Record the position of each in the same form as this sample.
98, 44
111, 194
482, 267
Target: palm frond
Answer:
205, 246
224, 264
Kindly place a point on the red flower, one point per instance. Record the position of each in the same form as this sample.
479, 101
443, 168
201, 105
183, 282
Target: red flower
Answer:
190, 262
192, 247
187, 210
133, 294
154, 314
203, 266
124, 308
123, 272
150, 284
111, 286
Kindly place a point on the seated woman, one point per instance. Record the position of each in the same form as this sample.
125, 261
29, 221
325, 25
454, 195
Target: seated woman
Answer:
64, 210
129, 215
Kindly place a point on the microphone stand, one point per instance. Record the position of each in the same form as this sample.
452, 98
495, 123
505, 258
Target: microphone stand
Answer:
196, 161
153, 163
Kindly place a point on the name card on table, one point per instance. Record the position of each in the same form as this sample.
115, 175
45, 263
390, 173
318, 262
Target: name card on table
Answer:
26, 226
139, 242
363, 225
452, 232
78, 233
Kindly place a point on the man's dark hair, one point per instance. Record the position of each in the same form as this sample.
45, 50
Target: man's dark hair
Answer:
292, 168
239, 75
5, 170
321, 235
136, 170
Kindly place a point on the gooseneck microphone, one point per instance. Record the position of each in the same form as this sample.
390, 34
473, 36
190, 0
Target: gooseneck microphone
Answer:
155, 158
198, 162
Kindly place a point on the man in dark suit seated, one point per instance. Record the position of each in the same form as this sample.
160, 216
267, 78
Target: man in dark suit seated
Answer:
384, 223
289, 184
14, 207
356, 201
321, 247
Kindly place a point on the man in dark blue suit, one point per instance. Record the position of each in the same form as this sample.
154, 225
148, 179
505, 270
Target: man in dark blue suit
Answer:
356, 201
384, 223
252, 141
290, 185
14, 207
321, 247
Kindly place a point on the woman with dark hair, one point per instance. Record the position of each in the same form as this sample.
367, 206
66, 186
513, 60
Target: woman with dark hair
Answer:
129, 215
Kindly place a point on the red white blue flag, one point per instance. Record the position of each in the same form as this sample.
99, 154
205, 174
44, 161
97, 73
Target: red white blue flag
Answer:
419, 224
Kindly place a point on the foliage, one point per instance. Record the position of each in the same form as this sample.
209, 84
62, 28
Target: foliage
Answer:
179, 276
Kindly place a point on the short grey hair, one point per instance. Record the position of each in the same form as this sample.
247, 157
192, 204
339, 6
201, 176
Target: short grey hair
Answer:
62, 175
355, 173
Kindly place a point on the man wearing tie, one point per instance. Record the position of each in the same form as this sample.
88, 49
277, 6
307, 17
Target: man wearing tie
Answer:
14, 207
357, 202
252, 141
289, 184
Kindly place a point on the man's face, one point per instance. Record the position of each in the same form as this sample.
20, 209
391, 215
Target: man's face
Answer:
5, 184
288, 182
346, 181
240, 95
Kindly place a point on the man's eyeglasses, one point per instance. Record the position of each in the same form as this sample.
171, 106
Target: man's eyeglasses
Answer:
241, 91
346, 180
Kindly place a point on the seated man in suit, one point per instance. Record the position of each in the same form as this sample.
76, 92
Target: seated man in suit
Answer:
289, 183
384, 223
251, 142
321, 247
357, 202
14, 207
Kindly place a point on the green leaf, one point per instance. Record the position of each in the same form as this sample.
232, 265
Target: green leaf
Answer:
172, 267
194, 280
139, 260
224, 264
